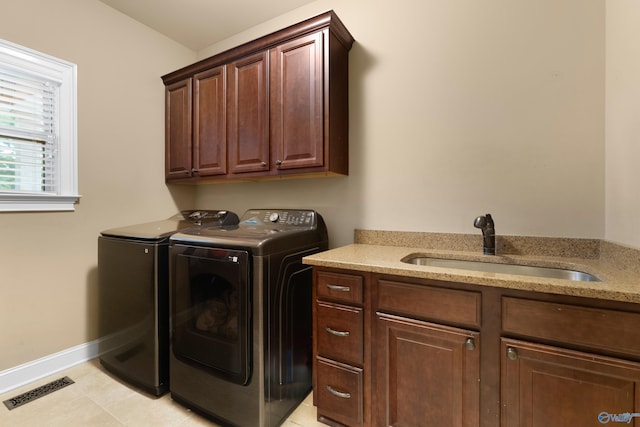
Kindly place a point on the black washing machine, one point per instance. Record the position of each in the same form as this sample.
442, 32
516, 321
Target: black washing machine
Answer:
241, 301
133, 282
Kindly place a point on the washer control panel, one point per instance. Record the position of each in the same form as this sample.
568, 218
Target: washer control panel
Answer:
219, 217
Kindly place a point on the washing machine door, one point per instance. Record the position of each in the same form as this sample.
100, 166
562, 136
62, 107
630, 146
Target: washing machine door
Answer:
211, 316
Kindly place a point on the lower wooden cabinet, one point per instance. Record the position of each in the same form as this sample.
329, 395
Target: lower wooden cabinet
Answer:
342, 367
340, 332
397, 351
339, 392
550, 386
426, 374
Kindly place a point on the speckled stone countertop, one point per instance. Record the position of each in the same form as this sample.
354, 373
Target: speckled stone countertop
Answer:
616, 266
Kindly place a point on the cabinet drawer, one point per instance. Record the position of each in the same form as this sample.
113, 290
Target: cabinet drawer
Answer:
441, 304
609, 330
340, 332
339, 287
339, 393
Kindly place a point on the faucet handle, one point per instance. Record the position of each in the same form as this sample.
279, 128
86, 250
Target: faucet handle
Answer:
483, 222
480, 222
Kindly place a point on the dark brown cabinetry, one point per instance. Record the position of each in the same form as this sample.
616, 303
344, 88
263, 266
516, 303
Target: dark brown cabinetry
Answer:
561, 385
297, 103
248, 106
209, 123
178, 122
271, 108
426, 374
342, 377
195, 126
399, 351
552, 386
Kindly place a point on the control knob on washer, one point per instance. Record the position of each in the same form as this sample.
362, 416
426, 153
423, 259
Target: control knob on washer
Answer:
274, 217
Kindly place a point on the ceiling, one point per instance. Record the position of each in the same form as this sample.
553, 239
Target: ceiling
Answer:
197, 24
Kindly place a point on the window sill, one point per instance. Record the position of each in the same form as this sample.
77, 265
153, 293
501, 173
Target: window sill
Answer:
36, 203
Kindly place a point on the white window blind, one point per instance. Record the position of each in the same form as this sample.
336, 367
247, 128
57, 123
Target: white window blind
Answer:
38, 131
28, 133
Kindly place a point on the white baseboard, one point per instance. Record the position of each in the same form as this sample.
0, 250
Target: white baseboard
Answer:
48, 365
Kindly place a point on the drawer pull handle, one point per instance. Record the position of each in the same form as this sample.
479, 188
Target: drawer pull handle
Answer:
338, 393
339, 288
337, 333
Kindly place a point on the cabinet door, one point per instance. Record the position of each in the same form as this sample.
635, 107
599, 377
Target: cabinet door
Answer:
209, 123
297, 84
248, 114
426, 374
178, 130
549, 386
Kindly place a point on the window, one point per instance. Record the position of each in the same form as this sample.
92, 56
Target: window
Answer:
38, 131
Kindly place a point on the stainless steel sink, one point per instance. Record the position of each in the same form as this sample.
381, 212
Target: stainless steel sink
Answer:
490, 267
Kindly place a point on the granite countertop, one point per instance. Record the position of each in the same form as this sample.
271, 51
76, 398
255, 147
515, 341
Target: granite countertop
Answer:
615, 266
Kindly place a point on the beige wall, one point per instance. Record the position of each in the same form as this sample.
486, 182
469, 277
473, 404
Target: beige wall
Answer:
458, 108
623, 122
48, 260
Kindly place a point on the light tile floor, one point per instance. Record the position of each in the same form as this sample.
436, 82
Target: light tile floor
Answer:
99, 399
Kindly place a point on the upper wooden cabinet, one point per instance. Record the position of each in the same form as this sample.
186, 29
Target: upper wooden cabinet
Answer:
209, 122
297, 102
248, 120
273, 107
178, 119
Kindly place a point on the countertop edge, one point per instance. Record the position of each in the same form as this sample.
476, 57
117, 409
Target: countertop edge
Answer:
616, 284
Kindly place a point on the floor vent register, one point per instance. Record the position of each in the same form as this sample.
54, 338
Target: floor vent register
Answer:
36, 393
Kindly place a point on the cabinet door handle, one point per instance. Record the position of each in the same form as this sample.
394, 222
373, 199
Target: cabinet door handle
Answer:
512, 354
337, 333
194, 170
278, 163
339, 288
338, 393
470, 344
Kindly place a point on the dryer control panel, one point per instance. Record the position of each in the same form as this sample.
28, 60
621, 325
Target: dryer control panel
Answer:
296, 217
265, 231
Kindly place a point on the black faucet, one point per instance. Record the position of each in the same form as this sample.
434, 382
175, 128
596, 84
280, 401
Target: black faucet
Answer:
485, 223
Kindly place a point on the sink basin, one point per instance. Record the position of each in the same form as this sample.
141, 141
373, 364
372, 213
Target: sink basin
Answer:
490, 267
